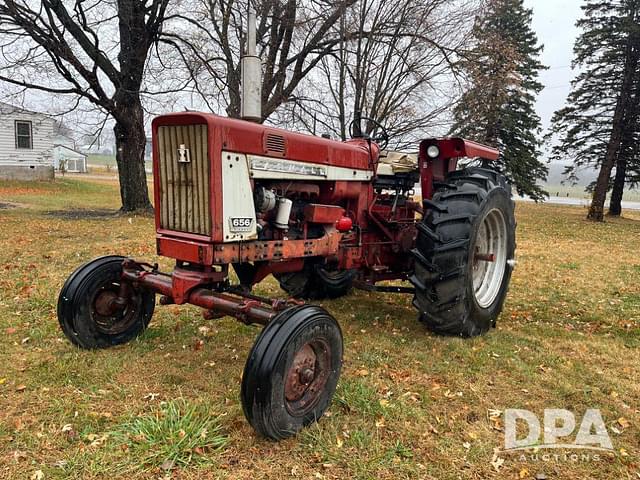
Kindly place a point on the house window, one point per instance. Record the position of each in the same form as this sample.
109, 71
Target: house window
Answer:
24, 137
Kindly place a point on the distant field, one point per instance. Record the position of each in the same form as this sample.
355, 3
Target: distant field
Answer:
632, 195
410, 405
105, 162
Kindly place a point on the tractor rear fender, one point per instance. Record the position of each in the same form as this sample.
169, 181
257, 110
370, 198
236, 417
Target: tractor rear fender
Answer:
435, 164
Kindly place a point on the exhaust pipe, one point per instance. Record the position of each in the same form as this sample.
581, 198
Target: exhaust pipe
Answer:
251, 67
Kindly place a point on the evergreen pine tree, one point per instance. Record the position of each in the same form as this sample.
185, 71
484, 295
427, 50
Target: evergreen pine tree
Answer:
627, 169
498, 108
597, 127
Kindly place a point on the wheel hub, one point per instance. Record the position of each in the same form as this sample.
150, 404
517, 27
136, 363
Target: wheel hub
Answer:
106, 303
112, 308
301, 373
307, 376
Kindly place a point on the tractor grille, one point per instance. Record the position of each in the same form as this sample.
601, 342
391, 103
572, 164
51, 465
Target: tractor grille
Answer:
184, 186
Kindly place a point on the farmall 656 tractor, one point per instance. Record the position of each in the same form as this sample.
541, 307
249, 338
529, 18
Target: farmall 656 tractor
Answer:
319, 215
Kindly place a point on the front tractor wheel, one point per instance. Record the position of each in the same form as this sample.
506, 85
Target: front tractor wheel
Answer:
464, 253
292, 371
95, 311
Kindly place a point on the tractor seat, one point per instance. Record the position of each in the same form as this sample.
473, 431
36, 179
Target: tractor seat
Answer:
392, 163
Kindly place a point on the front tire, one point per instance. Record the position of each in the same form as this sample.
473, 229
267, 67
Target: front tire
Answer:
464, 253
292, 371
87, 314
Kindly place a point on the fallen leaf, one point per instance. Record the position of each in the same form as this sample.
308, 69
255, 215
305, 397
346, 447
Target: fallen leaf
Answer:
10, 331
198, 345
37, 475
99, 441
497, 462
21, 388
19, 455
623, 422
523, 473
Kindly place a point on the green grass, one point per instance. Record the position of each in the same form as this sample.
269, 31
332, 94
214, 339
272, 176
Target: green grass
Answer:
176, 435
408, 405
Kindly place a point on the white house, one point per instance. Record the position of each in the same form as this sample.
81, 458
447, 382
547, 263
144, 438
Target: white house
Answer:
74, 161
26, 144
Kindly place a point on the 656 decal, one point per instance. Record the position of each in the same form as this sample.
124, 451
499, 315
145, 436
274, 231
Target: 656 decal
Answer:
240, 224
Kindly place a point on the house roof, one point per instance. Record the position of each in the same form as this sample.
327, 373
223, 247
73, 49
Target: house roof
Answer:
69, 148
7, 108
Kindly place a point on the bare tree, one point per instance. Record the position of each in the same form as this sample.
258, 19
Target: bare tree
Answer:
395, 63
293, 37
92, 51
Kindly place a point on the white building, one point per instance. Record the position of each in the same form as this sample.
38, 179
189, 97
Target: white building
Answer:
74, 161
26, 144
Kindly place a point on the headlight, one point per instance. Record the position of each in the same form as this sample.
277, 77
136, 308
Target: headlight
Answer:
433, 151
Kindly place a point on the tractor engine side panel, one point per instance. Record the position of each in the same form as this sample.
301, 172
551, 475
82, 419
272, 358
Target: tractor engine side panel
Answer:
238, 208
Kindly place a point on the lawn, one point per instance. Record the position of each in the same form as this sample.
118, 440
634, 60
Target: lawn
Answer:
409, 404
106, 163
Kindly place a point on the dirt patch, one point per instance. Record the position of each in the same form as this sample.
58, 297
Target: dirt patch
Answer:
10, 205
82, 214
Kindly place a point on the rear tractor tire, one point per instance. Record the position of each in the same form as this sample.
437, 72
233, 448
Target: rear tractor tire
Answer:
89, 316
464, 253
292, 371
316, 282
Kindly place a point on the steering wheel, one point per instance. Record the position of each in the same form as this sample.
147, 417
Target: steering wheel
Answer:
378, 134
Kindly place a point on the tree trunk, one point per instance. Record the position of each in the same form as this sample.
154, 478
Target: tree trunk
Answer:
596, 211
130, 145
615, 207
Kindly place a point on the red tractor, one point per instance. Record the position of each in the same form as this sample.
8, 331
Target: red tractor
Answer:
321, 216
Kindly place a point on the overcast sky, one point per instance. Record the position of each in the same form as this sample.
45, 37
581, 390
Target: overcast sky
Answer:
554, 22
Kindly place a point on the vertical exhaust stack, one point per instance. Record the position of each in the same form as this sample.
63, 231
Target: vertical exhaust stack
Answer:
251, 66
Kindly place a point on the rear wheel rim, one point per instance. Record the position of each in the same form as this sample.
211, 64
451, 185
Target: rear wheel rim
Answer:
491, 241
